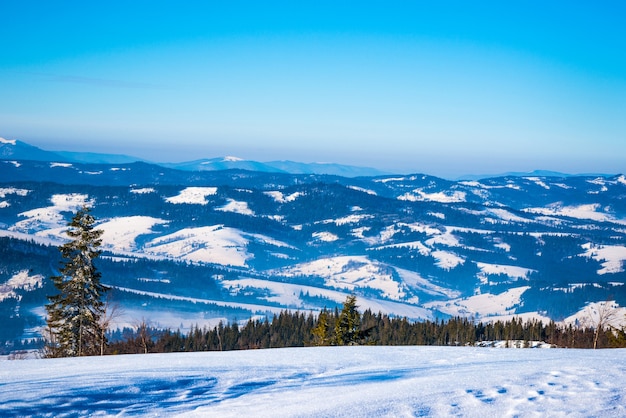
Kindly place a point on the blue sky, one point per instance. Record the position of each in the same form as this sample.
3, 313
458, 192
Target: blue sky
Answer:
446, 89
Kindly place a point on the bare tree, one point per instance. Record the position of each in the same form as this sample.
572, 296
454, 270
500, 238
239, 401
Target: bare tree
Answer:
144, 335
111, 312
600, 318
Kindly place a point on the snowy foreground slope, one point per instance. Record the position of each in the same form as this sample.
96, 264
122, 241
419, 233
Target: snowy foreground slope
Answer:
330, 381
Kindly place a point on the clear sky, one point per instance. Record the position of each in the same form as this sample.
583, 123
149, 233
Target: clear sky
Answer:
444, 88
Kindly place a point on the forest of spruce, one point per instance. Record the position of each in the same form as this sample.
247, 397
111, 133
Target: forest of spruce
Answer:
298, 329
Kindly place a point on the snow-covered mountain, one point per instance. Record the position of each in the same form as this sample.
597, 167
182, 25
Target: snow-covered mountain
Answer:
18, 150
292, 167
197, 247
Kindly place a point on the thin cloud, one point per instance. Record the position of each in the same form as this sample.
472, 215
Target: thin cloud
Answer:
99, 82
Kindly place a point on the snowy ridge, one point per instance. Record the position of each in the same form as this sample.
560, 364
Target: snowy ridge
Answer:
419, 284
281, 198
612, 257
193, 195
210, 244
419, 195
143, 190
12, 190
324, 236
290, 296
488, 305
236, 207
589, 211
121, 233
513, 272
49, 221
62, 165
21, 280
351, 272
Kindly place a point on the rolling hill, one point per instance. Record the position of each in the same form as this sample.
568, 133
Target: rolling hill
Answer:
197, 247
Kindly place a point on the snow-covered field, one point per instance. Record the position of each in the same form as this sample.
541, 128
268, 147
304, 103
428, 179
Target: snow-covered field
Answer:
329, 381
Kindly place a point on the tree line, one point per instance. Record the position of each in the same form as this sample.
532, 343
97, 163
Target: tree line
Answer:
349, 327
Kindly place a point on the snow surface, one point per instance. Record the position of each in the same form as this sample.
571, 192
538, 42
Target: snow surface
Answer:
486, 305
538, 182
20, 280
350, 272
417, 282
591, 211
487, 187
608, 312
504, 215
281, 198
349, 219
390, 179
323, 382
612, 257
289, 295
7, 141
185, 320
447, 260
388, 233
143, 190
49, 221
448, 239
414, 245
325, 236
514, 272
4, 191
361, 189
193, 195
209, 244
121, 233
63, 165
230, 158
419, 195
236, 206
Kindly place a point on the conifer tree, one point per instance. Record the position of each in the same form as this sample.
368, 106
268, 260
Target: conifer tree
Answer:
320, 331
75, 314
347, 327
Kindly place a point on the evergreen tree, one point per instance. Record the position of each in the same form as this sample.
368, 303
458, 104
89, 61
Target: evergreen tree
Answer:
76, 313
321, 330
348, 325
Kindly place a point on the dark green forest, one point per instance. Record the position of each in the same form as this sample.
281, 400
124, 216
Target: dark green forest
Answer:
346, 326
350, 327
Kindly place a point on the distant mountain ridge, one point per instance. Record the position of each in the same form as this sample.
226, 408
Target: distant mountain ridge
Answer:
18, 150
534, 173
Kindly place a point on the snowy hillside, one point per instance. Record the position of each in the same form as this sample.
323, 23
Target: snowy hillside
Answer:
184, 248
330, 381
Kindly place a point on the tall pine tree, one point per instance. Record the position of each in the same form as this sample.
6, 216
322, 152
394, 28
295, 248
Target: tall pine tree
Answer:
348, 325
76, 314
